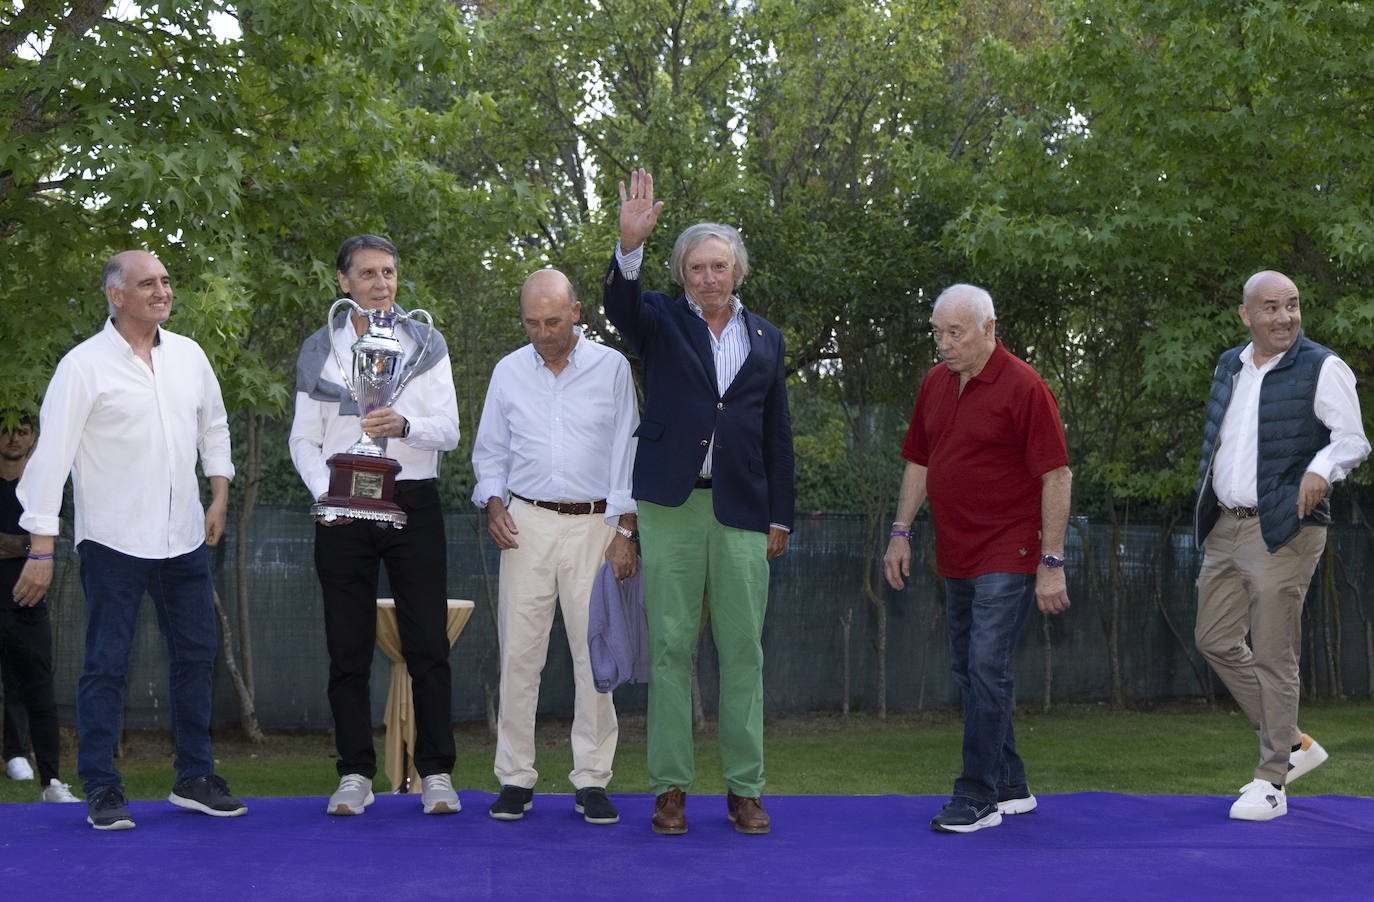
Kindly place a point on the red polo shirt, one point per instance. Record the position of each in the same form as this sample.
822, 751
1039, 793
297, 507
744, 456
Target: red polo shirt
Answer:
985, 451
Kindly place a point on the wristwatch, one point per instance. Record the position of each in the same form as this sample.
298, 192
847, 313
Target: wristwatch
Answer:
1051, 561
627, 533
405, 430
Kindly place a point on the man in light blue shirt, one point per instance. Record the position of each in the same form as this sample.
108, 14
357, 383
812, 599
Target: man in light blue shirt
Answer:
552, 458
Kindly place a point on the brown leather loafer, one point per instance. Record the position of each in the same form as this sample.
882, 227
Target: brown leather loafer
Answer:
746, 813
669, 817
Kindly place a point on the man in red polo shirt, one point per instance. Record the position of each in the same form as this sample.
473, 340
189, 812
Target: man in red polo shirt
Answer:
986, 446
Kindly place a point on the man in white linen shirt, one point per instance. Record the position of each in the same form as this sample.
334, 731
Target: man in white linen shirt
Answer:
556, 436
348, 553
125, 414
1283, 424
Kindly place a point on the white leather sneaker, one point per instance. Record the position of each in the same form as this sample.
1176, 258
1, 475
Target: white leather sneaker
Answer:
1259, 801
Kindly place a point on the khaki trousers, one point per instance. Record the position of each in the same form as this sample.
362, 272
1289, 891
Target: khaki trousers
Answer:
1243, 588
557, 560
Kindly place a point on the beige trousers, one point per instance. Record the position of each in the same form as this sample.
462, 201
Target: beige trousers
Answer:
1243, 588
557, 561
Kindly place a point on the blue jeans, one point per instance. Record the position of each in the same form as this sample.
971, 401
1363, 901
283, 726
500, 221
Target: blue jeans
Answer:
183, 596
986, 614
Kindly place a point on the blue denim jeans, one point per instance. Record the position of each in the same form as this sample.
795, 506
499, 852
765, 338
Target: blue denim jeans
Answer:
986, 614
183, 596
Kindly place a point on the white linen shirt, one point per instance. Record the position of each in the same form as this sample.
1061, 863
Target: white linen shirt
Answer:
428, 403
1336, 404
568, 437
129, 437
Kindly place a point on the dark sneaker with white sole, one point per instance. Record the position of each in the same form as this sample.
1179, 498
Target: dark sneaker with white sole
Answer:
106, 810
208, 794
1015, 800
595, 808
512, 803
961, 815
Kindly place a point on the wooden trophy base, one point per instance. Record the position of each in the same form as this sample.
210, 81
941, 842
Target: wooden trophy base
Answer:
361, 487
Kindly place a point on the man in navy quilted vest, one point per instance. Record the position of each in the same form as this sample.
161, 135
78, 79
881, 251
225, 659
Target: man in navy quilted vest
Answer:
1283, 425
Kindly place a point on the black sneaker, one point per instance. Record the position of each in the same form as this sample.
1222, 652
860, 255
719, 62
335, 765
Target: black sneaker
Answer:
105, 809
512, 803
594, 807
961, 815
1015, 799
208, 795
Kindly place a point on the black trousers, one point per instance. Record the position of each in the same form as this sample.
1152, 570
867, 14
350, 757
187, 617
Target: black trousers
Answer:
26, 668
347, 559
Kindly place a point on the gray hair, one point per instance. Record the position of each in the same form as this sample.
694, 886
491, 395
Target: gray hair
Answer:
112, 273
971, 296
692, 236
343, 261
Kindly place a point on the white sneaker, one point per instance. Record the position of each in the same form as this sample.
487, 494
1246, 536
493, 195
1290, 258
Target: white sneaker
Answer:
1309, 755
57, 791
352, 797
437, 795
1259, 801
19, 769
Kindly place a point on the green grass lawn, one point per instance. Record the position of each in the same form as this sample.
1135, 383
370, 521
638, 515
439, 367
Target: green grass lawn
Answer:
1179, 748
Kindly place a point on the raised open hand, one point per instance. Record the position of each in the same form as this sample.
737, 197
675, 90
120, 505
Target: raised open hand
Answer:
638, 211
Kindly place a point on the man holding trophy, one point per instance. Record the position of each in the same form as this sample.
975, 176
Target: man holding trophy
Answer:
375, 408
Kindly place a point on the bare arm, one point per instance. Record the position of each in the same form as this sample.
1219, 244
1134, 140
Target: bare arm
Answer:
1051, 586
36, 576
219, 507
897, 560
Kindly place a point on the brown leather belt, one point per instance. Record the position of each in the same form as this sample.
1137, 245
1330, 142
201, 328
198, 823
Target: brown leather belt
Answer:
1240, 513
576, 508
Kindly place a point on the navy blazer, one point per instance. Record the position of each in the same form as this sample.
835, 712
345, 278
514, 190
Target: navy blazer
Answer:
751, 467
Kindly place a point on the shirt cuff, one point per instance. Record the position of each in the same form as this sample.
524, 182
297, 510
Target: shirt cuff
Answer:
488, 489
629, 261
619, 503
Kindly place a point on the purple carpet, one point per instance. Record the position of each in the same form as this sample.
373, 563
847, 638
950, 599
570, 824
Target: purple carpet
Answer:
1096, 846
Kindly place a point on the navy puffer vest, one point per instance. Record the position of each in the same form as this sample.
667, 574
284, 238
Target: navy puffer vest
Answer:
1290, 435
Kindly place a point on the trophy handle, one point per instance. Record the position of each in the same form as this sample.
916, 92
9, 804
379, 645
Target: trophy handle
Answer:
329, 333
429, 336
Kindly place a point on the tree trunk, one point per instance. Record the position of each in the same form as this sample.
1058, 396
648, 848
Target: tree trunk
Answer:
1047, 673
1330, 603
873, 592
490, 689
248, 717
1157, 593
253, 479
1107, 606
846, 622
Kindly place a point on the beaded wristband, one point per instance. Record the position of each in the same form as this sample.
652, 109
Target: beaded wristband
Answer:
41, 557
900, 532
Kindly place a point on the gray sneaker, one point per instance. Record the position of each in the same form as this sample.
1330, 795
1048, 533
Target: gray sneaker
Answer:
353, 795
105, 809
437, 795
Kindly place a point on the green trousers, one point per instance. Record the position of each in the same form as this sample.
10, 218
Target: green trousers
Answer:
688, 554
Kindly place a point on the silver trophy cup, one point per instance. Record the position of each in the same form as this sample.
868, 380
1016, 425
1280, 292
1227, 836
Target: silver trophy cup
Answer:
362, 480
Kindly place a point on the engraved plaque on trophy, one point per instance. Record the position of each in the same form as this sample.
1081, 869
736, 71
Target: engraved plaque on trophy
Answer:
362, 480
